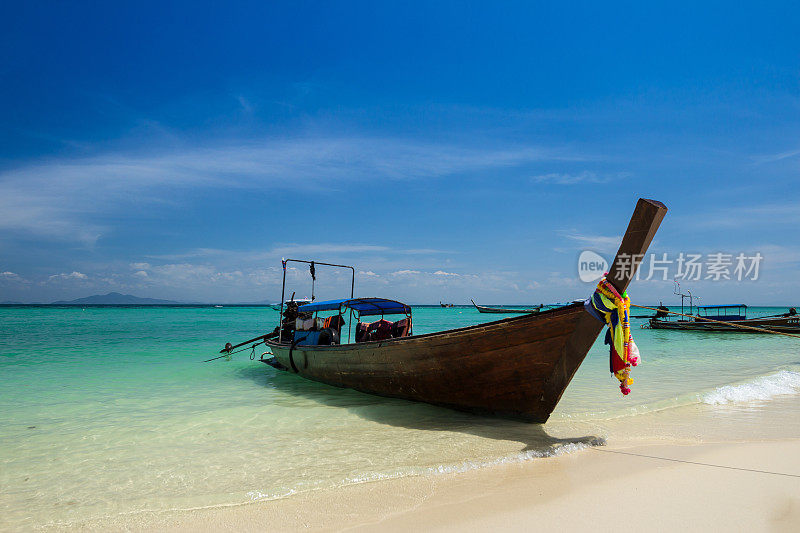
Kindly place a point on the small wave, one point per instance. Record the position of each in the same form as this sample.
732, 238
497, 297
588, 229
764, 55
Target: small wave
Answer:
466, 466
759, 389
526, 455
556, 450
520, 457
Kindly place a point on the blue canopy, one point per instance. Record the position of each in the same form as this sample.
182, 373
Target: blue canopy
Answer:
719, 306
364, 306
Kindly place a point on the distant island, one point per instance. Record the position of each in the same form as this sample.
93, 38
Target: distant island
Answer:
115, 298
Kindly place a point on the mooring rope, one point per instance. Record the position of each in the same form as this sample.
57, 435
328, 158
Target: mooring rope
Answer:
763, 330
697, 463
228, 354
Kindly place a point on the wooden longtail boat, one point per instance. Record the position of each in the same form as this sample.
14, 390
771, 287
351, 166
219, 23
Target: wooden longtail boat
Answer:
516, 367
505, 310
728, 318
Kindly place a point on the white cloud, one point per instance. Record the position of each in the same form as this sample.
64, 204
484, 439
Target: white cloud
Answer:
778, 255
178, 273
746, 216
12, 279
63, 199
559, 178
286, 250
189, 275
205, 253
71, 276
247, 107
749, 216
598, 243
208, 281
326, 248
425, 251
557, 279
771, 158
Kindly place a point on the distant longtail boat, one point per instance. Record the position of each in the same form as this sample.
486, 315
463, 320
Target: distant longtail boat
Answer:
505, 310
727, 318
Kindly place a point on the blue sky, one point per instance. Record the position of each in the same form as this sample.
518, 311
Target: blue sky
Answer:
454, 151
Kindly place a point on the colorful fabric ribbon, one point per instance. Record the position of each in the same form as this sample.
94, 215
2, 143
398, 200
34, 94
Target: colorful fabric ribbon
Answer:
615, 310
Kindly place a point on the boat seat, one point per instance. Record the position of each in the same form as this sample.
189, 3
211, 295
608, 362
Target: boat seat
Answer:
401, 328
380, 330
334, 322
362, 331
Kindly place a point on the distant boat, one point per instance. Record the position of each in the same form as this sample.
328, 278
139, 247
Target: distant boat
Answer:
727, 318
445, 305
505, 310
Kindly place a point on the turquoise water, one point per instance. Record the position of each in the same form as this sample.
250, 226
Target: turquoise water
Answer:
110, 411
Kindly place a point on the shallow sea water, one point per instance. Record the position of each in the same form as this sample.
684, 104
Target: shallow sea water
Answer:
111, 411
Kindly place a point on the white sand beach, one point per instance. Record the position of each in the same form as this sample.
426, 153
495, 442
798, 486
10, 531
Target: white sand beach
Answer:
748, 486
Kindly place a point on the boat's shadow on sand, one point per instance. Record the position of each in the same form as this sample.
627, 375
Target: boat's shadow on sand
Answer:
412, 415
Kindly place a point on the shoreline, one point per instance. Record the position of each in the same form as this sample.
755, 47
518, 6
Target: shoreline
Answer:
742, 485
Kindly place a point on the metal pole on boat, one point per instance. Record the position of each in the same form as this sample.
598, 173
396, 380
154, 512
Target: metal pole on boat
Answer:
313, 278
352, 292
283, 295
312, 266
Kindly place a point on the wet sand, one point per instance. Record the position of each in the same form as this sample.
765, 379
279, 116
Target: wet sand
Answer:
753, 486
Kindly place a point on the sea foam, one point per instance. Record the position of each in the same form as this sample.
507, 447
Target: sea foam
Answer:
759, 389
556, 450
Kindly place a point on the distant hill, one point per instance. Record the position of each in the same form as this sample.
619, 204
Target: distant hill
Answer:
115, 298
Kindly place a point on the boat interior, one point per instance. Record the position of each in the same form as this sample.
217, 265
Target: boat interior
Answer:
312, 329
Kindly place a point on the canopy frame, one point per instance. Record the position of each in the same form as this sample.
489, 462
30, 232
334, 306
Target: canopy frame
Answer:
361, 307
311, 265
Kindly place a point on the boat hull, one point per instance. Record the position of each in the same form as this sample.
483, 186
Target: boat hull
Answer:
513, 368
